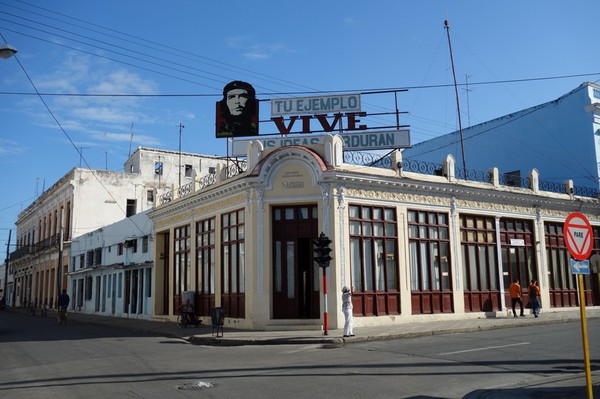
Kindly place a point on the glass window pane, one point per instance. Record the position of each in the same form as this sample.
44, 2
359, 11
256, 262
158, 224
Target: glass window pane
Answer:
412, 216
366, 213
353, 212
367, 229
432, 218
277, 269
379, 265
289, 213
303, 213
390, 230
355, 260
415, 277
378, 229
290, 258
368, 264
413, 231
242, 268
390, 263
377, 213
355, 228
390, 214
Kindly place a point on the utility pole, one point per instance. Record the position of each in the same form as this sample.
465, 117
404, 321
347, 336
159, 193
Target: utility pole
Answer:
180, 127
462, 145
6, 265
59, 273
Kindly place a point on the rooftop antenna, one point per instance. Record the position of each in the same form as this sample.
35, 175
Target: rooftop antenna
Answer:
105, 152
467, 76
130, 139
37, 180
180, 127
462, 145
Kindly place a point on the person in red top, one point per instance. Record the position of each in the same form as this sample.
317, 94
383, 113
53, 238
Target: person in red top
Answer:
515, 296
534, 295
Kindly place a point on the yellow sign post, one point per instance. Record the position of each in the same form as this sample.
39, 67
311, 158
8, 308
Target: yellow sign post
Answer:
579, 239
584, 338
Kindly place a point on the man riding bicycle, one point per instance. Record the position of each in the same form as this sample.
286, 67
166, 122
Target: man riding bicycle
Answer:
63, 304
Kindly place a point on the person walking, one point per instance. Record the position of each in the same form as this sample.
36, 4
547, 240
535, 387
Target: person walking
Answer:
534, 295
347, 309
515, 296
63, 304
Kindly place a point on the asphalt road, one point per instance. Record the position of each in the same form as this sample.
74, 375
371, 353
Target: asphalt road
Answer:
41, 359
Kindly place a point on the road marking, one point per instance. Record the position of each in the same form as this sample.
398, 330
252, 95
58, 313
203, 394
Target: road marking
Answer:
483, 349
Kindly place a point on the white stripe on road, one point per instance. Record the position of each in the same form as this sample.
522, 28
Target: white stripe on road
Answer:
483, 349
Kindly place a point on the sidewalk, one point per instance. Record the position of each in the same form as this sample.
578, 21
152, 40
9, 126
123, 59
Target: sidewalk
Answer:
203, 335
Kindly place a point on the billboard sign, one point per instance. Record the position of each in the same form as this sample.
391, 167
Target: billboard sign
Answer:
341, 103
237, 112
352, 141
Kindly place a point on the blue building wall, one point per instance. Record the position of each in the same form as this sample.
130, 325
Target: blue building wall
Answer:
559, 138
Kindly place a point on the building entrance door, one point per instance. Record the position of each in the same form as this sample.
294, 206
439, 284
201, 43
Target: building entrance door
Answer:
295, 276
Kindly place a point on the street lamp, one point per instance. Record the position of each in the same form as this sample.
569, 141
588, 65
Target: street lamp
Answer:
7, 51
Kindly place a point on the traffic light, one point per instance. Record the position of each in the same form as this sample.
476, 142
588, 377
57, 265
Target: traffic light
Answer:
322, 250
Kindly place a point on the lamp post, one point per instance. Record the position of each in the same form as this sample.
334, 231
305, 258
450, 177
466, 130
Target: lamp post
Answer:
7, 51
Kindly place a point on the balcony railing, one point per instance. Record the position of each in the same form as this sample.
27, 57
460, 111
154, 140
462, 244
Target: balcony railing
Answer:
48, 243
437, 169
236, 168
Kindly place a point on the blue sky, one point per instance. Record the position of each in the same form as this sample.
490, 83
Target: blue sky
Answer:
179, 54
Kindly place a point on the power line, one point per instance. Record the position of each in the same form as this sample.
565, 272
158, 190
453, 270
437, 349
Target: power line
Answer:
150, 45
291, 93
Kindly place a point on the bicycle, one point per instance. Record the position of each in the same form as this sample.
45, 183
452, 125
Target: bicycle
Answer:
185, 319
62, 316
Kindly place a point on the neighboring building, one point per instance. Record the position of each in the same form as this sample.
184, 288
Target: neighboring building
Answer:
111, 269
412, 246
560, 139
6, 283
82, 201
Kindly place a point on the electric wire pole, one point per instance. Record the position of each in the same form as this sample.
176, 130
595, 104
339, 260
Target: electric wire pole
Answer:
462, 146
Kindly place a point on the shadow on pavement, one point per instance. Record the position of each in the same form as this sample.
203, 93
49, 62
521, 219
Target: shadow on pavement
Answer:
570, 392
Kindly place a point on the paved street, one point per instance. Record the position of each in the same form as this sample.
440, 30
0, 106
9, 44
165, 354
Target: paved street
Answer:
105, 357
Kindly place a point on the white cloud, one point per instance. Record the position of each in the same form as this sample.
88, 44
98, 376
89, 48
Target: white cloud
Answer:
254, 50
89, 115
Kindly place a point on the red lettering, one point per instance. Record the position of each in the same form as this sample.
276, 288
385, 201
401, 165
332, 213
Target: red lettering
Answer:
306, 123
281, 126
352, 124
353, 119
325, 123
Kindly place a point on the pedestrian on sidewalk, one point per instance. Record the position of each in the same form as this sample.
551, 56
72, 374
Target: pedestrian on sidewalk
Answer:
347, 309
515, 296
534, 295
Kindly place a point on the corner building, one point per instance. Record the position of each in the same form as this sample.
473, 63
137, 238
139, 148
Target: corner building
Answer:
412, 246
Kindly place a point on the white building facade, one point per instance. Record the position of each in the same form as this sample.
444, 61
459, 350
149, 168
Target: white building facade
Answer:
110, 272
83, 201
413, 246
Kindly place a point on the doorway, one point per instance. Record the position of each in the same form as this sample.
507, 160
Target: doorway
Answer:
295, 275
